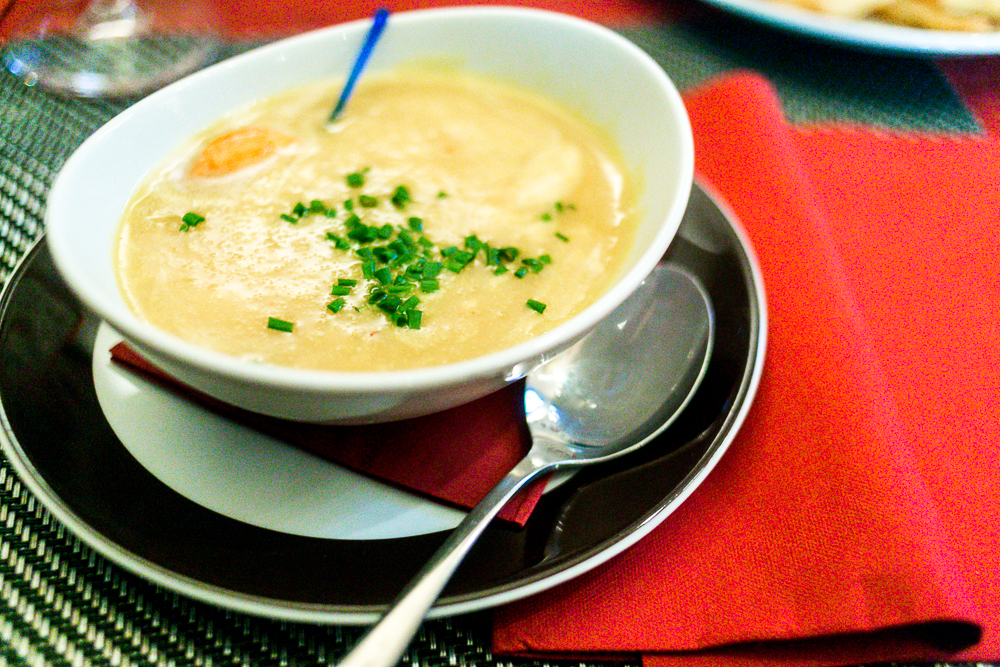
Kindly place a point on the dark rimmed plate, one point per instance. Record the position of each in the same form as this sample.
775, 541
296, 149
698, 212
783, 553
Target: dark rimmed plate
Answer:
60, 442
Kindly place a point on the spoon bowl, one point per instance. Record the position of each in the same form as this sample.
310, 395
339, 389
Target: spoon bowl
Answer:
616, 389
607, 395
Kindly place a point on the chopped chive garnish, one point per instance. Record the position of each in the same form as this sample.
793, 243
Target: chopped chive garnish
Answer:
279, 324
400, 197
338, 242
562, 237
473, 243
390, 303
383, 254
399, 259
442, 194
191, 219
546, 217
509, 254
359, 231
536, 265
536, 306
289, 218
560, 207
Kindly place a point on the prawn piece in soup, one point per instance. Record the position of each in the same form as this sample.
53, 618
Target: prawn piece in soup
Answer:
237, 149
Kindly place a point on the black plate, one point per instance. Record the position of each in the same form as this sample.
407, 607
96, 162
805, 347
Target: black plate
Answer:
59, 441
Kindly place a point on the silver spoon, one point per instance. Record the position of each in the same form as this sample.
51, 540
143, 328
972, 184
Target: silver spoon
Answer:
607, 395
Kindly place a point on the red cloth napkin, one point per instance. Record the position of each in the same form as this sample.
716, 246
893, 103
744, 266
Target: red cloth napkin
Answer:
455, 456
855, 516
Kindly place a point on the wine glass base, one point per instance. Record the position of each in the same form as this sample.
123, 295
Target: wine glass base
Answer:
113, 67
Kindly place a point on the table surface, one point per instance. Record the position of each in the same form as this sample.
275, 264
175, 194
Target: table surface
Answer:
62, 603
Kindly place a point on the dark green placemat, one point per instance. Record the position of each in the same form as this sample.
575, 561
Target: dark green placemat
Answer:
37, 133
61, 603
817, 82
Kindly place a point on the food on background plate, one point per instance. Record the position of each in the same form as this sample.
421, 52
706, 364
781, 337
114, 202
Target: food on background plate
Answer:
957, 15
441, 218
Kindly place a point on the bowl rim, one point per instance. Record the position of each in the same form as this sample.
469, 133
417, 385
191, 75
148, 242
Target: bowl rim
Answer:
163, 345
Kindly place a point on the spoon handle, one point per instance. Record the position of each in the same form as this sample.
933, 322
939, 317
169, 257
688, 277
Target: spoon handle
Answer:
387, 640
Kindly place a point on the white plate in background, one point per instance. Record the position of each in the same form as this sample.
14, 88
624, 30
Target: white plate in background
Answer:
867, 34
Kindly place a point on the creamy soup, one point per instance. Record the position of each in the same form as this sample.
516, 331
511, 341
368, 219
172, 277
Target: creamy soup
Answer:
440, 218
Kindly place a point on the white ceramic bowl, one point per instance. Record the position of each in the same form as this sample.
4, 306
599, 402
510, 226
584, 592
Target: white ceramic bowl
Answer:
585, 67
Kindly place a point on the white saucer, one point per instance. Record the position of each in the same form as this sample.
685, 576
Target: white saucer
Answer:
246, 475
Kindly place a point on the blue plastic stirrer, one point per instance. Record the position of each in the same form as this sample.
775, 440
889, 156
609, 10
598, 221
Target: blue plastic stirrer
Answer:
378, 25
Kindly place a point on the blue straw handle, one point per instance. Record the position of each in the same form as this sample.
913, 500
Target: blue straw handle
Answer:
378, 25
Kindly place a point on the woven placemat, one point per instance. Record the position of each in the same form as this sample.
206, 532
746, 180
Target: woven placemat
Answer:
61, 603
817, 82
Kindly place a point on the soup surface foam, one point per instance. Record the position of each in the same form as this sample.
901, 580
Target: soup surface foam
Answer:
277, 237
